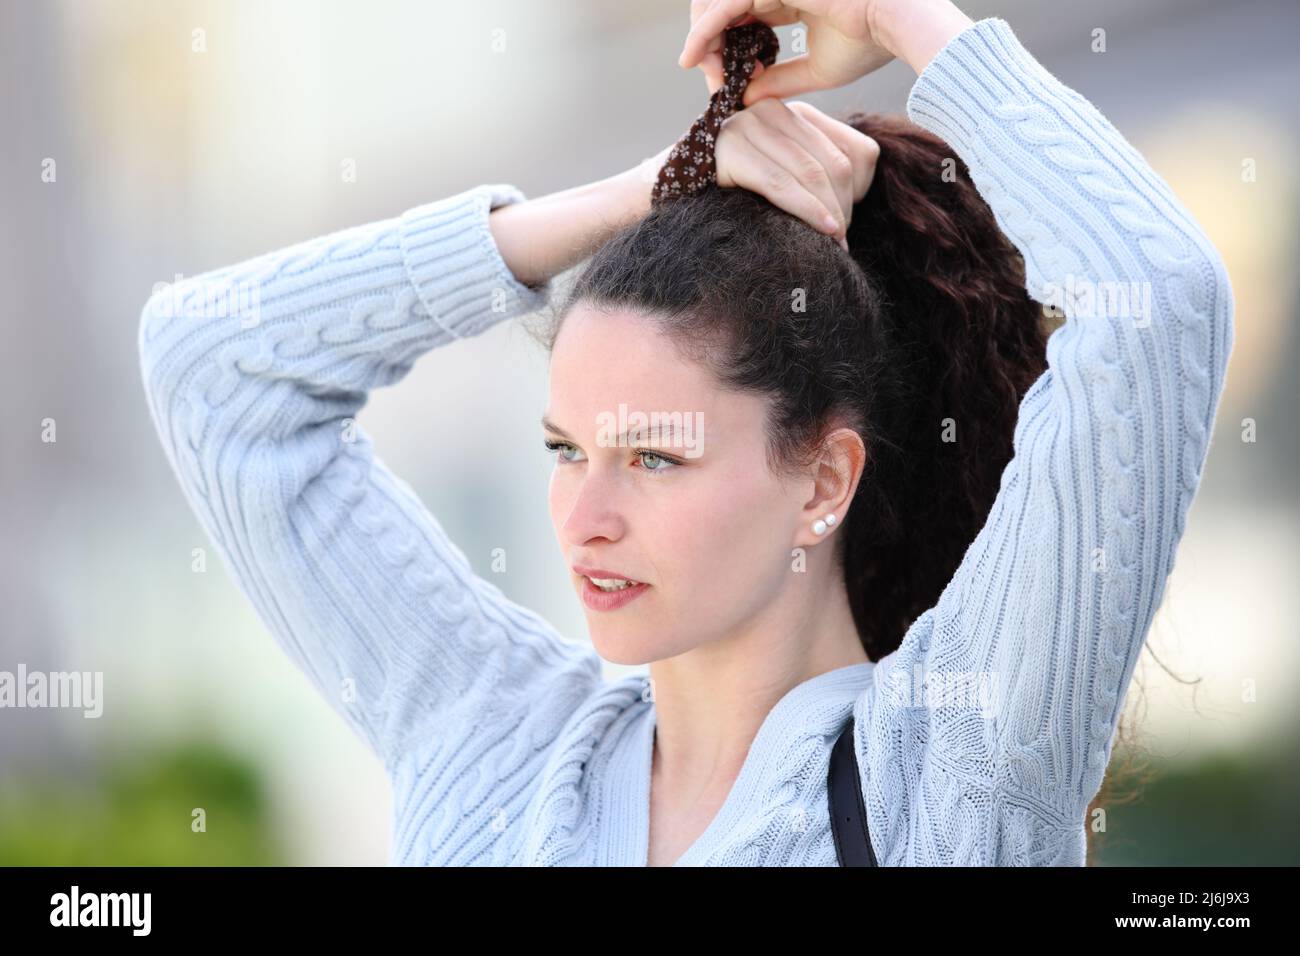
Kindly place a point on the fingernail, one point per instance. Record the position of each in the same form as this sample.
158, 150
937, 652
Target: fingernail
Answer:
831, 223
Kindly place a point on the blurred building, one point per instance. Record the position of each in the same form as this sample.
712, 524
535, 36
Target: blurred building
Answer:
188, 135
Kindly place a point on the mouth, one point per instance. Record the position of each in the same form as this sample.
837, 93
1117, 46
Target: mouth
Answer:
608, 581
612, 585
604, 590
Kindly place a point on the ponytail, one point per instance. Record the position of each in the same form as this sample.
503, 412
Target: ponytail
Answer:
967, 342
970, 342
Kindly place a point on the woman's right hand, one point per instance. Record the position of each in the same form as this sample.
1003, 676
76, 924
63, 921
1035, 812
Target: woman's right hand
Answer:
798, 158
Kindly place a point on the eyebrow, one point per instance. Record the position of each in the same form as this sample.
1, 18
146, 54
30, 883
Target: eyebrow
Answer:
550, 426
620, 441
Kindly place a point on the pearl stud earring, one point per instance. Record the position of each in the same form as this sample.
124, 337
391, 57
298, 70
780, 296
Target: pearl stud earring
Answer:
821, 524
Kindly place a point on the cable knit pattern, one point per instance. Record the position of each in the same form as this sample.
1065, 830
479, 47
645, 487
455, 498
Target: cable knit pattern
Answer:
502, 741
1054, 597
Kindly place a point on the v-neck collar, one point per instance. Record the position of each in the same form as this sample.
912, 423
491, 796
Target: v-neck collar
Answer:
848, 680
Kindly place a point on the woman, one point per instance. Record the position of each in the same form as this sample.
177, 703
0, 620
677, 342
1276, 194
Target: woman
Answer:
880, 490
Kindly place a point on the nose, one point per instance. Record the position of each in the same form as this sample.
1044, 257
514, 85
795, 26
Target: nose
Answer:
595, 512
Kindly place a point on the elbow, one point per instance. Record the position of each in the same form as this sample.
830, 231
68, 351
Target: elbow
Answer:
1212, 285
165, 347
149, 329
1210, 347
1223, 318
1205, 345
154, 337
178, 325
1215, 306
159, 377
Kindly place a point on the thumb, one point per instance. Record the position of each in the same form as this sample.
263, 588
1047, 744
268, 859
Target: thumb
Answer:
787, 78
712, 67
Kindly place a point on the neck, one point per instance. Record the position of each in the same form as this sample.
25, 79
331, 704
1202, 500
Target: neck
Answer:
711, 700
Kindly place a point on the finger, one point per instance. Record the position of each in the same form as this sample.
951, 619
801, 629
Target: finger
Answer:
698, 7
754, 170
790, 77
709, 26
712, 67
862, 150
772, 13
710, 37
793, 169
839, 166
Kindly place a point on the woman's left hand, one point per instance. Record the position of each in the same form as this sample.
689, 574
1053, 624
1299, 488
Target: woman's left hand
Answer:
798, 158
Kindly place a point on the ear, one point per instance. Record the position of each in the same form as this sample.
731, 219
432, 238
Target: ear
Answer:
835, 481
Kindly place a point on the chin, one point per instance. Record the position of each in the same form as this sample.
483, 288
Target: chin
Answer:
638, 642
618, 647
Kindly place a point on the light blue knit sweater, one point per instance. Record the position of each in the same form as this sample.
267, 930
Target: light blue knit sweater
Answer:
502, 741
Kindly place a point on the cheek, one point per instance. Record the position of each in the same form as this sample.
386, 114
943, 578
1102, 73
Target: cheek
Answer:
728, 537
559, 497
552, 501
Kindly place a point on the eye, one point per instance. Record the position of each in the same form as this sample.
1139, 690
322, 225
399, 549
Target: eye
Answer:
555, 446
643, 455
651, 461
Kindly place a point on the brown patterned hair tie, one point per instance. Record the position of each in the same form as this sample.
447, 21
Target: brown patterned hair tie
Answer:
691, 166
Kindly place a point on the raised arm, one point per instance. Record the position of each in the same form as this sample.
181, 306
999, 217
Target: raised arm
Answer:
254, 375
1053, 599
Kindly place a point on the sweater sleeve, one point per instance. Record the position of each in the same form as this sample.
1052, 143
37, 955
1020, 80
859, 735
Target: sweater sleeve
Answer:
254, 375
987, 733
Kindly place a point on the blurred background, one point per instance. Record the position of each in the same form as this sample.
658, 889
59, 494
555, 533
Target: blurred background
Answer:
141, 139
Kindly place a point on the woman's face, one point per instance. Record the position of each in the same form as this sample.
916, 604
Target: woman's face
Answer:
686, 506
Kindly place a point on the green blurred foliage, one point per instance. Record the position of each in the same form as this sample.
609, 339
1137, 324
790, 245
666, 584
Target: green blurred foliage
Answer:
136, 810
1225, 810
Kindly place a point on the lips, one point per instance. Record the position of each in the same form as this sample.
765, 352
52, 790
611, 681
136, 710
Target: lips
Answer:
600, 600
604, 574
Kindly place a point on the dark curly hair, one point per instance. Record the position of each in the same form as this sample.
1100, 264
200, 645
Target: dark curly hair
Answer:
921, 337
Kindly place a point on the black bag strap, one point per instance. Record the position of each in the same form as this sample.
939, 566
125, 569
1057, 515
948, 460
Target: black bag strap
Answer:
848, 813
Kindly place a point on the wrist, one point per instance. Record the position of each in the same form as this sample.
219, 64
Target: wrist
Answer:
915, 31
634, 186
543, 237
